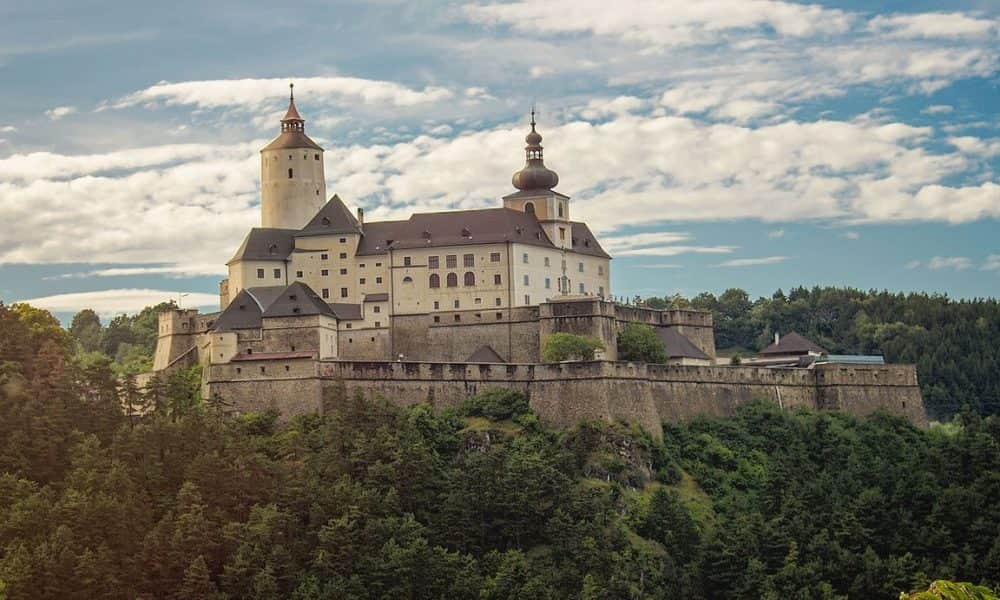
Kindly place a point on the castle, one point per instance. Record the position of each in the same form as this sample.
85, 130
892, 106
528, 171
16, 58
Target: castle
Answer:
443, 304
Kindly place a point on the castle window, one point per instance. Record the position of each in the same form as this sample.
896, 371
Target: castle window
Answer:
581, 289
343, 255
324, 256
376, 309
435, 281
326, 292
529, 208
497, 280
432, 262
436, 305
343, 271
579, 267
315, 156
562, 234
277, 273
547, 261
600, 291
260, 273
378, 280
324, 272
526, 280
286, 367
350, 340
298, 274
407, 279
343, 240
499, 302
456, 304
468, 260
458, 317
348, 325
343, 292
499, 316
262, 368
437, 319
527, 299
560, 209
362, 265
470, 278
451, 261
361, 281
377, 324
494, 257
289, 173
239, 370
249, 351
548, 283
452, 280
600, 269
407, 261
524, 258
378, 264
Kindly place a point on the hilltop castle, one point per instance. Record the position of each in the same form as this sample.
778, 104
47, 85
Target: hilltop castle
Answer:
318, 295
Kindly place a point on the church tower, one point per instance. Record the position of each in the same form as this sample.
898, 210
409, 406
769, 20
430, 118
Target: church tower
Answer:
535, 194
292, 181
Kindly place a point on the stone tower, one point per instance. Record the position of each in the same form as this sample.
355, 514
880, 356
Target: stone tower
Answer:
292, 181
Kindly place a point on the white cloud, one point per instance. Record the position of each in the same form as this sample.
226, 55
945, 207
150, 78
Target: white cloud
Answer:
851, 235
976, 146
8, 129
938, 109
776, 234
932, 25
913, 264
959, 263
108, 303
173, 271
750, 262
257, 94
992, 263
663, 243
658, 266
59, 112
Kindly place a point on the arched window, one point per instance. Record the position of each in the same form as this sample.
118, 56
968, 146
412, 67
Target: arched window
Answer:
435, 280
407, 279
289, 173
452, 280
529, 208
560, 209
470, 278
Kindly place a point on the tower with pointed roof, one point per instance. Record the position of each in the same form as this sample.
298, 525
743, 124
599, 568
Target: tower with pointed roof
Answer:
292, 180
535, 195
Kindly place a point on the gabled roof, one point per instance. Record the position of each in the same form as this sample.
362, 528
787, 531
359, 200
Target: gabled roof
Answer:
265, 244
346, 312
454, 228
793, 343
298, 300
585, 242
291, 140
243, 312
677, 345
333, 218
485, 354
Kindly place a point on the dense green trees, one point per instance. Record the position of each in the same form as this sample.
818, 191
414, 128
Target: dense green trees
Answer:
952, 342
568, 346
638, 342
481, 501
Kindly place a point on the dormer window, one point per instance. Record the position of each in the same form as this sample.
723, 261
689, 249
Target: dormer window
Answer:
326, 221
293, 297
466, 232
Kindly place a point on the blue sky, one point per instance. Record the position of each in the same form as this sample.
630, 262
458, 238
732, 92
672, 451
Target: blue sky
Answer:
748, 143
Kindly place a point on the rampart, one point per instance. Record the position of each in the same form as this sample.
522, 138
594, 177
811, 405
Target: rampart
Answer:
566, 393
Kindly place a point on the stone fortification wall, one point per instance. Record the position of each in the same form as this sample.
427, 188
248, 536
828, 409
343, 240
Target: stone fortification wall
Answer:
514, 335
566, 393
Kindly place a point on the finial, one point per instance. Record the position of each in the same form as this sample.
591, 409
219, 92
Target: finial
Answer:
532, 116
291, 91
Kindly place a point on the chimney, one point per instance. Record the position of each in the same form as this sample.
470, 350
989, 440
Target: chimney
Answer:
361, 215
777, 338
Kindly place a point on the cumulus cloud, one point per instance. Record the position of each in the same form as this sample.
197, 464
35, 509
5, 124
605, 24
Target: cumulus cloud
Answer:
913, 264
59, 112
108, 303
958, 263
933, 25
752, 262
938, 109
8, 129
256, 94
663, 243
992, 263
776, 234
173, 271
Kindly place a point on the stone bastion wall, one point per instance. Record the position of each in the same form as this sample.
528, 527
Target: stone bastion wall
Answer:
564, 394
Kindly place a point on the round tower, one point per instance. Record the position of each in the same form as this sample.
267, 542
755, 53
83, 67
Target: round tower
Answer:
292, 181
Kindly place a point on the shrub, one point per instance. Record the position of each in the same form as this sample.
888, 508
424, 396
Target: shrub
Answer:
569, 346
638, 342
496, 404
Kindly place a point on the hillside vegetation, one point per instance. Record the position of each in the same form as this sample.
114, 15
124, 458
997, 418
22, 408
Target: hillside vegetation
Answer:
480, 501
953, 343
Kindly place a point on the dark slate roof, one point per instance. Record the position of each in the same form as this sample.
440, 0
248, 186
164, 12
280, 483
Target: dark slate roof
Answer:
266, 244
298, 300
265, 296
585, 242
429, 230
677, 345
242, 313
534, 194
346, 312
333, 218
793, 343
379, 297
485, 354
291, 140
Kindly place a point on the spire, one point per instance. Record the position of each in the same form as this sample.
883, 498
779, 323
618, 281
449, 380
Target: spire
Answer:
292, 121
534, 175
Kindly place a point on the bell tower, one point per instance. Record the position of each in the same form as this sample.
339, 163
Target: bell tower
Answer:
292, 180
535, 194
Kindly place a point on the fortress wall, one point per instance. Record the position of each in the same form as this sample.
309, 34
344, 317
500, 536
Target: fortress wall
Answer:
364, 344
566, 393
514, 336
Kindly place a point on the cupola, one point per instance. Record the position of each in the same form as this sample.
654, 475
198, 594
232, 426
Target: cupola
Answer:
535, 175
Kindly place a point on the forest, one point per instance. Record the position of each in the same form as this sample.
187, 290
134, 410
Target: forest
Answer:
953, 343
107, 491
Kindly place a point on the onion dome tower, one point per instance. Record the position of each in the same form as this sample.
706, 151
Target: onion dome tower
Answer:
292, 179
535, 195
